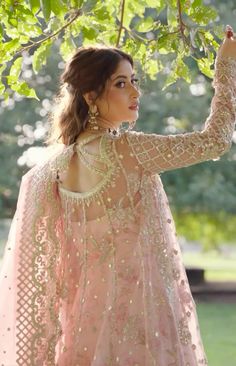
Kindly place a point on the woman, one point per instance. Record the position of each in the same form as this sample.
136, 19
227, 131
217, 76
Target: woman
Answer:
92, 273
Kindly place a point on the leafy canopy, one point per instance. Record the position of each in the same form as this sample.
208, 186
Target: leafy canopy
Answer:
149, 30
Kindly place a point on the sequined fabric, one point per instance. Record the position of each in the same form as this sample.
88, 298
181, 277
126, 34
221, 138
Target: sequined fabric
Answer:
96, 278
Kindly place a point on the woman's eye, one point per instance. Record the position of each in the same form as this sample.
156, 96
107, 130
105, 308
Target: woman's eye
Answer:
135, 81
120, 84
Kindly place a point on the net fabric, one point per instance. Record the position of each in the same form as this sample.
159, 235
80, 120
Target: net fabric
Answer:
29, 278
130, 271
159, 153
96, 277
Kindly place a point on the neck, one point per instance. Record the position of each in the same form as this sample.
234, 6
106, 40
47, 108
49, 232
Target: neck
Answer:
102, 124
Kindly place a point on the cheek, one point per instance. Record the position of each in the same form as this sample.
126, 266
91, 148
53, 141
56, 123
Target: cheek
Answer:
116, 96
114, 102
118, 100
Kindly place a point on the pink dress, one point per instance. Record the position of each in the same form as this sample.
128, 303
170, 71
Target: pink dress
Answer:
97, 278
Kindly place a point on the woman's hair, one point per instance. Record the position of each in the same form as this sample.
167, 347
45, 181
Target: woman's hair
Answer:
88, 70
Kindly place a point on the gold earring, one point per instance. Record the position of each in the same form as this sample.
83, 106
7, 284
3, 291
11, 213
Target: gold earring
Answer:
92, 114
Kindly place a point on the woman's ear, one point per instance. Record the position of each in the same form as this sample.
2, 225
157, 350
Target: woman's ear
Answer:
90, 97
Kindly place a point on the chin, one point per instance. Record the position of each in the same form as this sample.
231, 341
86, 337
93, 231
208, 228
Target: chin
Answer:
135, 117
132, 117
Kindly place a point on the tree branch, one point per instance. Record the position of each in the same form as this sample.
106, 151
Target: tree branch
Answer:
182, 27
180, 19
121, 22
75, 16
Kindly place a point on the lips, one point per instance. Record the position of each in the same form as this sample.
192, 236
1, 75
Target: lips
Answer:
134, 107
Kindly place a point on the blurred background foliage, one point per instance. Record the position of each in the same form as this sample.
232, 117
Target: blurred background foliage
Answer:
174, 44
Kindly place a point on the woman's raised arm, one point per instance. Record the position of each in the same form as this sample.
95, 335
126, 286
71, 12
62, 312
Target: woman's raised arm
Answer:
158, 153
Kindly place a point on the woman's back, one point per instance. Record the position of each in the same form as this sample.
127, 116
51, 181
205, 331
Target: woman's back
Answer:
102, 173
122, 277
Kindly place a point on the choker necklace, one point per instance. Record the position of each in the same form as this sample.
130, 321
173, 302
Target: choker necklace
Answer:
110, 132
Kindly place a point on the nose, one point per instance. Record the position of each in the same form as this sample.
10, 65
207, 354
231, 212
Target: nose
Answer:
135, 91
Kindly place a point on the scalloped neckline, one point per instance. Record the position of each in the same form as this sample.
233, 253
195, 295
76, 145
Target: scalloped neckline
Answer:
102, 183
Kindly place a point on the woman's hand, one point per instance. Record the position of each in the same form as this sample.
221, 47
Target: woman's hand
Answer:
228, 46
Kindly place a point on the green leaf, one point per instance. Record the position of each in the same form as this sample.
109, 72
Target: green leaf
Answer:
76, 3
196, 3
132, 8
46, 8
172, 17
34, 5
131, 47
178, 70
11, 79
210, 39
13, 21
2, 88
145, 25
1, 31
166, 43
6, 96
15, 69
152, 67
23, 88
7, 49
40, 56
89, 5
157, 4
102, 13
11, 45
203, 15
25, 14
67, 47
24, 39
204, 65
53, 25
182, 70
31, 30
58, 8
89, 33
219, 31
12, 32
171, 79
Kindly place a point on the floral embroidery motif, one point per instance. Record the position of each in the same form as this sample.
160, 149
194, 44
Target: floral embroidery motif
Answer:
184, 333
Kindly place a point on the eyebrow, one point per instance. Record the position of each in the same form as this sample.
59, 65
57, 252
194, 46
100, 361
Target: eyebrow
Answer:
122, 76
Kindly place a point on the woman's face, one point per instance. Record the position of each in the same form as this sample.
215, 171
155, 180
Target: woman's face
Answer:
120, 99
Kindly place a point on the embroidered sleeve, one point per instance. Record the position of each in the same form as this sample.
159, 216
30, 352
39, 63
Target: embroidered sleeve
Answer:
157, 153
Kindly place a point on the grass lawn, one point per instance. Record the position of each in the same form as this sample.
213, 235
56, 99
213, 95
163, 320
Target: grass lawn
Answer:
217, 325
217, 267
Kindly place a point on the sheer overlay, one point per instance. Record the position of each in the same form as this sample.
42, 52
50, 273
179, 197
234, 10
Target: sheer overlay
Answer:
96, 277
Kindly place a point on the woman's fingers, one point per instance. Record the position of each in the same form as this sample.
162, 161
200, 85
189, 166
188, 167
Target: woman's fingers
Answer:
228, 46
229, 31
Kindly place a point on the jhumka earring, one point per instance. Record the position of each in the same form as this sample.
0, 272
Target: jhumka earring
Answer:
110, 132
92, 116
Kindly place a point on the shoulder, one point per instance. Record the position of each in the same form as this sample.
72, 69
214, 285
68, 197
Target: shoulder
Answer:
137, 138
133, 136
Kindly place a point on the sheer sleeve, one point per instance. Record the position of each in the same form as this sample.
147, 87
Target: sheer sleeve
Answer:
158, 153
